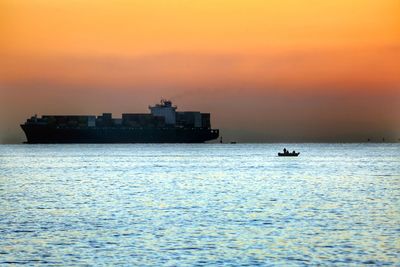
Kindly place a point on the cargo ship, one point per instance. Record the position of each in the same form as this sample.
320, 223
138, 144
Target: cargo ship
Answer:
164, 124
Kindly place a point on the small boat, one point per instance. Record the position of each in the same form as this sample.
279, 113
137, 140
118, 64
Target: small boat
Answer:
289, 154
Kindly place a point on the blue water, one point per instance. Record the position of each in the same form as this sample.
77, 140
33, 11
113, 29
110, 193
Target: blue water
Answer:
212, 204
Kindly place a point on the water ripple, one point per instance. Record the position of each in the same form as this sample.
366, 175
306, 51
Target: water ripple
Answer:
200, 205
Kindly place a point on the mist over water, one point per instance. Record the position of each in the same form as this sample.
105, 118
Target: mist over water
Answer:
208, 204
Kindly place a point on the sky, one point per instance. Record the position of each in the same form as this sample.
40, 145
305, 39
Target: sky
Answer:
267, 70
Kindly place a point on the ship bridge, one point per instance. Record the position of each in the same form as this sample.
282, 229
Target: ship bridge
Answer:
165, 109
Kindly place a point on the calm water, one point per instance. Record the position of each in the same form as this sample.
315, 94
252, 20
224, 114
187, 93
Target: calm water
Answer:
185, 205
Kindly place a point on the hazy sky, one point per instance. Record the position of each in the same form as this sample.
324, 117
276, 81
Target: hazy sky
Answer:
273, 70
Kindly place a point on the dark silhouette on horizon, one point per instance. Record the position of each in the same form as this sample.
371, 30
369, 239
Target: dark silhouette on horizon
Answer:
162, 125
286, 153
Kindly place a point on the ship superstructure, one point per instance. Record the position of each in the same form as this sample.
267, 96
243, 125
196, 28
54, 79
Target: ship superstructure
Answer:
162, 125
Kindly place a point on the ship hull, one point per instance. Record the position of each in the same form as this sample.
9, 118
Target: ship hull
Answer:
43, 134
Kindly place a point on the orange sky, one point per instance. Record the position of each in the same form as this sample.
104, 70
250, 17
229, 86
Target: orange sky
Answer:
320, 70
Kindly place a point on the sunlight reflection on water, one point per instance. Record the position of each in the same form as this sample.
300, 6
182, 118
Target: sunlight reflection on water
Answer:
200, 204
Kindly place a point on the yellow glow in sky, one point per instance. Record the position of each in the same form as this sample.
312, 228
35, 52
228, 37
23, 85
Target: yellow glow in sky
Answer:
141, 27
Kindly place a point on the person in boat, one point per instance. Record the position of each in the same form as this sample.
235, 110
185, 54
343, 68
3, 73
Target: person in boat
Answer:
294, 152
285, 151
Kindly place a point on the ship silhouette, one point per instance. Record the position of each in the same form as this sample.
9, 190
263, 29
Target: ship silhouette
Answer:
162, 125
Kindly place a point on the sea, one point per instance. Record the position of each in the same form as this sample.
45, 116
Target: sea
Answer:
200, 205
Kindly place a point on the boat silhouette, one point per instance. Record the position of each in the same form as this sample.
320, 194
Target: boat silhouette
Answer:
293, 154
286, 153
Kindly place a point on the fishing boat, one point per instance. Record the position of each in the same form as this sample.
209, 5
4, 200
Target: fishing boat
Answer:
293, 154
